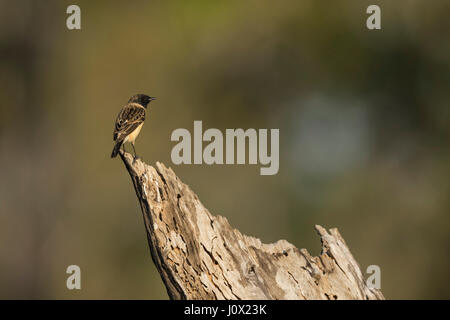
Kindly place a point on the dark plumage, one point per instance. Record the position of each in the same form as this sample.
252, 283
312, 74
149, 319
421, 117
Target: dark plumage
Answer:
129, 122
141, 99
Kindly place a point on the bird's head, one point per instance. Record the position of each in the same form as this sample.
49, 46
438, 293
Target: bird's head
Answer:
142, 99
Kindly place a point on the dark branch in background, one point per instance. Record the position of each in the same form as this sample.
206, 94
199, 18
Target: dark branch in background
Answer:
200, 256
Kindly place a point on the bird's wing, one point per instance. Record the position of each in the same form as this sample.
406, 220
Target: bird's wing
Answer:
129, 118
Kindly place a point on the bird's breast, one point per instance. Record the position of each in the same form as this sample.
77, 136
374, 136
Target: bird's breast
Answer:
132, 136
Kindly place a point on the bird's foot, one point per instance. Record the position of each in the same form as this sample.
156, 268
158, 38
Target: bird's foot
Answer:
136, 158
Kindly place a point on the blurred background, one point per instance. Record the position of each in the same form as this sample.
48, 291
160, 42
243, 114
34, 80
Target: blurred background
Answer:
364, 121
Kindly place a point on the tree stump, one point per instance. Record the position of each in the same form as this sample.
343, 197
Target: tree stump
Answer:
200, 256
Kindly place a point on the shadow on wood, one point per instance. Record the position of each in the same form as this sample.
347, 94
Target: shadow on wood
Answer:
200, 256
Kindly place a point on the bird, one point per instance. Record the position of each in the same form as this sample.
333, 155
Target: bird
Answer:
129, 122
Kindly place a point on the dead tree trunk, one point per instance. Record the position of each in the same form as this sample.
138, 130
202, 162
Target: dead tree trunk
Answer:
200, 256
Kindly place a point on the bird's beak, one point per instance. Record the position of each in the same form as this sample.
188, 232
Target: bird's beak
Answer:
152, 98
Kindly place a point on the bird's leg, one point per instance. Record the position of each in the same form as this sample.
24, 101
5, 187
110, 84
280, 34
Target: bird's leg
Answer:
135, 154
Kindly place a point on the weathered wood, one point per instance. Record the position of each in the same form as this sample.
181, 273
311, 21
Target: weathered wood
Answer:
200, 256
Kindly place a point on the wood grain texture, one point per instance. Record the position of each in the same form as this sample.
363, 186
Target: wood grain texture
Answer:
200, 256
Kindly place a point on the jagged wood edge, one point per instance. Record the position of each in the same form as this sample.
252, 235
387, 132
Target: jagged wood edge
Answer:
240, 267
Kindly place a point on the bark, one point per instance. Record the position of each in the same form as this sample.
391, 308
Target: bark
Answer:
200, 256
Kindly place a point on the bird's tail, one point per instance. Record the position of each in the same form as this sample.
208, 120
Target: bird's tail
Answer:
116, 149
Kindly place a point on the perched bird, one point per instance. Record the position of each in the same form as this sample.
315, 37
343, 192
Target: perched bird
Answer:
129, 122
